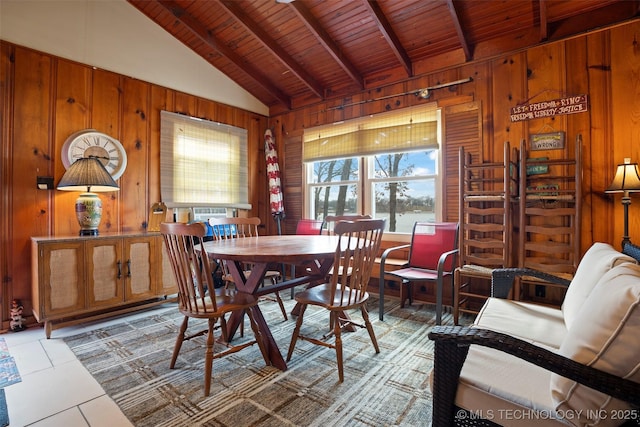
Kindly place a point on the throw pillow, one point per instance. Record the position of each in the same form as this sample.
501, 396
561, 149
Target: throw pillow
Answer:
604, 335
599, 259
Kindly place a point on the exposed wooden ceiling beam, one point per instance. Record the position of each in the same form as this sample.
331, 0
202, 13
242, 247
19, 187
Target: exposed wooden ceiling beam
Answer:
387, 31
323, 37
205, 36
594, 18
269, 43
456, 24
544, 28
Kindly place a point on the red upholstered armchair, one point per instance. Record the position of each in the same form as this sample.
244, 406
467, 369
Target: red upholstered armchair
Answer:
306, 226
309, 226
432, 258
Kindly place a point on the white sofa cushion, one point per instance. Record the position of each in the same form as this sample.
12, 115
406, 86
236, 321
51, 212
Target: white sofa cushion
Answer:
533, 323
506, 390
600, 258
604, 335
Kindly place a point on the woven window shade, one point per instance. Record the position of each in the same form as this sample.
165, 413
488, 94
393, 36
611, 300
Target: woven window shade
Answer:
409, 129
202, 163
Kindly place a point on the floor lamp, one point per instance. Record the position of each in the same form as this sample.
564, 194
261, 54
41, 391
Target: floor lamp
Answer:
627, 180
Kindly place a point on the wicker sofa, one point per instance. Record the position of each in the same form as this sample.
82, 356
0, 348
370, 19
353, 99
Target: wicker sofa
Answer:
523, 364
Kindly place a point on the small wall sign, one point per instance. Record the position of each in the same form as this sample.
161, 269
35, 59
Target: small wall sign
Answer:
547, 141
544, 190
554, 107
538, 169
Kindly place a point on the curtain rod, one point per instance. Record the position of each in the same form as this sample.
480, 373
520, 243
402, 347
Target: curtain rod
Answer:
424, 93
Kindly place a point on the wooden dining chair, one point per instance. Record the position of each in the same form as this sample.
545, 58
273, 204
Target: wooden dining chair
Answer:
328, 227
198, 298
329, 222
234, 228
357, 248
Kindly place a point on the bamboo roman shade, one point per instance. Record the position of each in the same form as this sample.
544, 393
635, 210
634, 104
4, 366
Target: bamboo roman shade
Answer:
202, 163
409, 129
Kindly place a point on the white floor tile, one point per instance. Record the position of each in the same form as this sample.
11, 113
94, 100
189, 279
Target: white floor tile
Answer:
56, 390
32, 333
103, 412
57, 351
30, 357
50, 391
69, 418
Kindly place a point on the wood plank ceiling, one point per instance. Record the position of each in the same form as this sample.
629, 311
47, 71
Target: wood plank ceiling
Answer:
307, 51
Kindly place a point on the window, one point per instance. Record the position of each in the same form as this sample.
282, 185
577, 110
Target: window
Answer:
392, 170
202, 163
334, 188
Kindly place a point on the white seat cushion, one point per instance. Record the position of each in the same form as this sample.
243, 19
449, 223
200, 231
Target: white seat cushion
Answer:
604, 335
492, 386
600, 258
531, 322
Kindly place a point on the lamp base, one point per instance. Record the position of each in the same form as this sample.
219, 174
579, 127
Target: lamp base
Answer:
626, 201
88, 213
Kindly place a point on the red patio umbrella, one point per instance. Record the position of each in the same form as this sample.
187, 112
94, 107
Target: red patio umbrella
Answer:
273, 173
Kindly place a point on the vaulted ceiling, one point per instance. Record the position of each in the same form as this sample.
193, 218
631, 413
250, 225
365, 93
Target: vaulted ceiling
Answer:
289, 54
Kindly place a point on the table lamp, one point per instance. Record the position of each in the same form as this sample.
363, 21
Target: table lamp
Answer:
627, 180
88, 175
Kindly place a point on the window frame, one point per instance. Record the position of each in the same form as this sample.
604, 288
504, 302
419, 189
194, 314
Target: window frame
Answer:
366, 183
309, 200
212, 139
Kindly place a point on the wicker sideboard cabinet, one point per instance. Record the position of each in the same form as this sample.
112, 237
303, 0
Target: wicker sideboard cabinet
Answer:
80, 278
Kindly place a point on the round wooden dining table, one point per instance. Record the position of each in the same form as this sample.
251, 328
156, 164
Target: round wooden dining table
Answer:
314, 252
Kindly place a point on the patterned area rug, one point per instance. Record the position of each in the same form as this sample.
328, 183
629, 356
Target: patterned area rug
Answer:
131, 362
8, 375
8, 369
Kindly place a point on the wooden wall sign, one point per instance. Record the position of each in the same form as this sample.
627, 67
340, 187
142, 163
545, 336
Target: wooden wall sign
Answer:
554, 107
157, 215
537, 169
544, 190
547, 141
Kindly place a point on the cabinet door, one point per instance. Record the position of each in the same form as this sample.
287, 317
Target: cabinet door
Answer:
141, 268
61, 279
166, 284
105, 272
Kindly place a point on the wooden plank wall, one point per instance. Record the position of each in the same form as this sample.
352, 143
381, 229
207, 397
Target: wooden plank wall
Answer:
605, 65
44, 98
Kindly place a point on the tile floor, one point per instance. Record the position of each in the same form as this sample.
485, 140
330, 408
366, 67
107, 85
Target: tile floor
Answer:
56, 390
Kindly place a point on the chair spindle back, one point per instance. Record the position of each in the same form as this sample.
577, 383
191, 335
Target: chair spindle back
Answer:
329, 222
191, 266
231, 228
356, 250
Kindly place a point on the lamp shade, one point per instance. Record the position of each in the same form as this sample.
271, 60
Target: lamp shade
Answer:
627, 178
88, 174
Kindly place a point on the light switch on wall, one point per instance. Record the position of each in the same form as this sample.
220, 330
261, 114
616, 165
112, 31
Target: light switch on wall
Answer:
45, 182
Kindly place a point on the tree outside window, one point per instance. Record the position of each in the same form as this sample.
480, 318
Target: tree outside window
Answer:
399, 186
